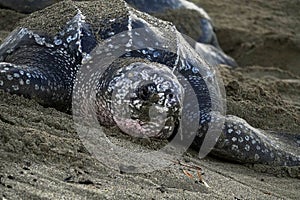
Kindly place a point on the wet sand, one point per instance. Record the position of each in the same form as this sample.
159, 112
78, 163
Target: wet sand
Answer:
43, 157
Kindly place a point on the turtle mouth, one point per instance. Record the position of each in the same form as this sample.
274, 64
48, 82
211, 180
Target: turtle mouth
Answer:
151, 129
154, 117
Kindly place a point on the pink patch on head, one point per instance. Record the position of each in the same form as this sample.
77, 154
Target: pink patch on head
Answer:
139, 129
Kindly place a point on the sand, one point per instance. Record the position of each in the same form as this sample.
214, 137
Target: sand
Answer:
43, 157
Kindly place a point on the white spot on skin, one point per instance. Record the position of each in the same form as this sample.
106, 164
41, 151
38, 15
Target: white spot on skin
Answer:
21, 82
229, 125
258, 147
27, 81
57, 41
1, 83
235, 147
229, 131
234, 139
279, 154
156, 54
256, 157
71, 38
266, 151
15, 87
247, 138
247, 147
241, 140
16, 75
9, 77
36, 87
39, 40
226, 141
111, 34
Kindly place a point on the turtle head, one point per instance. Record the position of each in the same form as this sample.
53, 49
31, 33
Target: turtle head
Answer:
145, 99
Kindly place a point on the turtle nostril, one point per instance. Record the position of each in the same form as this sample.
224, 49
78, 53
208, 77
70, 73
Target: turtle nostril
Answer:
144, 94
171, 96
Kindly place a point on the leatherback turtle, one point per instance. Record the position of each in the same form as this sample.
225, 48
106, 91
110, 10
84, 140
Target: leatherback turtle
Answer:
159, 7
41, 59
202, 25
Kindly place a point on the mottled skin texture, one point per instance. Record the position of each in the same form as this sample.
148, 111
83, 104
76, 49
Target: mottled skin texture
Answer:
44, 66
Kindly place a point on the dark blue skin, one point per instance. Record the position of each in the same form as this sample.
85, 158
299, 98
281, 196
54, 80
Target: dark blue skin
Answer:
44, 68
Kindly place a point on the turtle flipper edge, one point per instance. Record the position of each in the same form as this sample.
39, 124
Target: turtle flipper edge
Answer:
241, 142
33, 83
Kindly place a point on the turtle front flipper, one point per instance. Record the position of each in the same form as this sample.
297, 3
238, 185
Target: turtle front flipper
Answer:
242, 143
34, 66
43, 67
34, 83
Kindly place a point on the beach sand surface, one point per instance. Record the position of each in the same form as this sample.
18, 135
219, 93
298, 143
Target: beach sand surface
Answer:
42, 156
